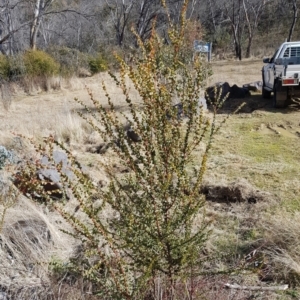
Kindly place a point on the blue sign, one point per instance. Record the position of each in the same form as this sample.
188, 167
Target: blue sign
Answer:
202, 47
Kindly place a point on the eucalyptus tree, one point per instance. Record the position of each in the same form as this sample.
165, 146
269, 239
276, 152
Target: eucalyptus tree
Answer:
12, 25
253, 10
120, 13
295, 8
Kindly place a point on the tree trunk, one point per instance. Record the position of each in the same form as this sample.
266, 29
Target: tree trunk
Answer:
212, 16
295, 16
237, 41
1, 44
35, 24
11, 37
238, 51
235, 21
250, 31
249, 45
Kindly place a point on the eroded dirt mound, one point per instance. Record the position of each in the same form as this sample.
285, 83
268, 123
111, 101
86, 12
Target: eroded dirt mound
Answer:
237, 191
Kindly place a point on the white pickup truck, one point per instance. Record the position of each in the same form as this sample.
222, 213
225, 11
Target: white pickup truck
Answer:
281, 74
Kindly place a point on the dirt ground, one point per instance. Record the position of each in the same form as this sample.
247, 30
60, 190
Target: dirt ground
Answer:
40, 113
259, 143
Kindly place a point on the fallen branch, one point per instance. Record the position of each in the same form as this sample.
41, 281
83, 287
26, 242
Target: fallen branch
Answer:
257, 288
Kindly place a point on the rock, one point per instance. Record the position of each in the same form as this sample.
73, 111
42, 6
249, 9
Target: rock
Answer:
253, 86
180, 113
237, 92
6, 157
218, 90
50, 180
3, 296
49, 177
82, 72
133, 136
100, 148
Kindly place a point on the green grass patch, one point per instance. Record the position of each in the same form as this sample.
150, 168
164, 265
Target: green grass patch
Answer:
264, 148
270, 161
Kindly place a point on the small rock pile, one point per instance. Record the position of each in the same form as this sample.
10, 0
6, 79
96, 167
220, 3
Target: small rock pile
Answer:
220, 90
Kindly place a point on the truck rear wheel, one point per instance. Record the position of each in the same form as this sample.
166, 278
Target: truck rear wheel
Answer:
280, 98
265, 94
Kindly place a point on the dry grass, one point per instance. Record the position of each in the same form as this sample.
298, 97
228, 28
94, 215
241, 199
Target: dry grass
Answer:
236, 72
6, 94
282, 236
40, 84
30, 238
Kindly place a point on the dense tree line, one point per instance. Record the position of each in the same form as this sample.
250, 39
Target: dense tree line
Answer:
232, 25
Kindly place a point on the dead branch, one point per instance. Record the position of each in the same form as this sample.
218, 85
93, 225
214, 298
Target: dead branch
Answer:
257, 288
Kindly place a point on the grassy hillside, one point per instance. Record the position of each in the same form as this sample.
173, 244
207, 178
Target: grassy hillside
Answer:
255, 153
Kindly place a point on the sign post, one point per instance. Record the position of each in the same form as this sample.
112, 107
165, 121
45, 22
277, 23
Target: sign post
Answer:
203, 47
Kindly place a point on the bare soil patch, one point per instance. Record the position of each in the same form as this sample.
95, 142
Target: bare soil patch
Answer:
238, 191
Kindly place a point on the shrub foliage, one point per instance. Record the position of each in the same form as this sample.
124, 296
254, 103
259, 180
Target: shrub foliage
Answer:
97, 64
4, 67
69, 59
39, 63
148, 223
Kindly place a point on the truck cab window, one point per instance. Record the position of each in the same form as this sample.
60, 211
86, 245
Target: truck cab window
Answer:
273, 57
286, 52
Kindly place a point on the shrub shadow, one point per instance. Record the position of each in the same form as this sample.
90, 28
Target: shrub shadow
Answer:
117, 108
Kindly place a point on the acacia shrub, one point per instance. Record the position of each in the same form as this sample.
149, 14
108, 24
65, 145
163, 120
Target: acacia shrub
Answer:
155, 228
98, 63
39, 63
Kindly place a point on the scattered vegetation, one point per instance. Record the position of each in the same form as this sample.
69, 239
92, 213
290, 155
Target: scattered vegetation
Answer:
151, 233
70, 60
147, 227
97, 63
39, 63
4, 67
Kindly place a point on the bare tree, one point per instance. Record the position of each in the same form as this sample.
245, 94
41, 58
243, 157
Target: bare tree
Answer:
253, 10
212, 14
146, 11
294, 19
40, 8
120, 11
233, 12
11, 22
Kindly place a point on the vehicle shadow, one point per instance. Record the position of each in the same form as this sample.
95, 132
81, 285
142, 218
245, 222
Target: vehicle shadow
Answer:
252, 103
249, 104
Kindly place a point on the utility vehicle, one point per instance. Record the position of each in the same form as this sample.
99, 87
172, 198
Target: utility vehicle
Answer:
281, 73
